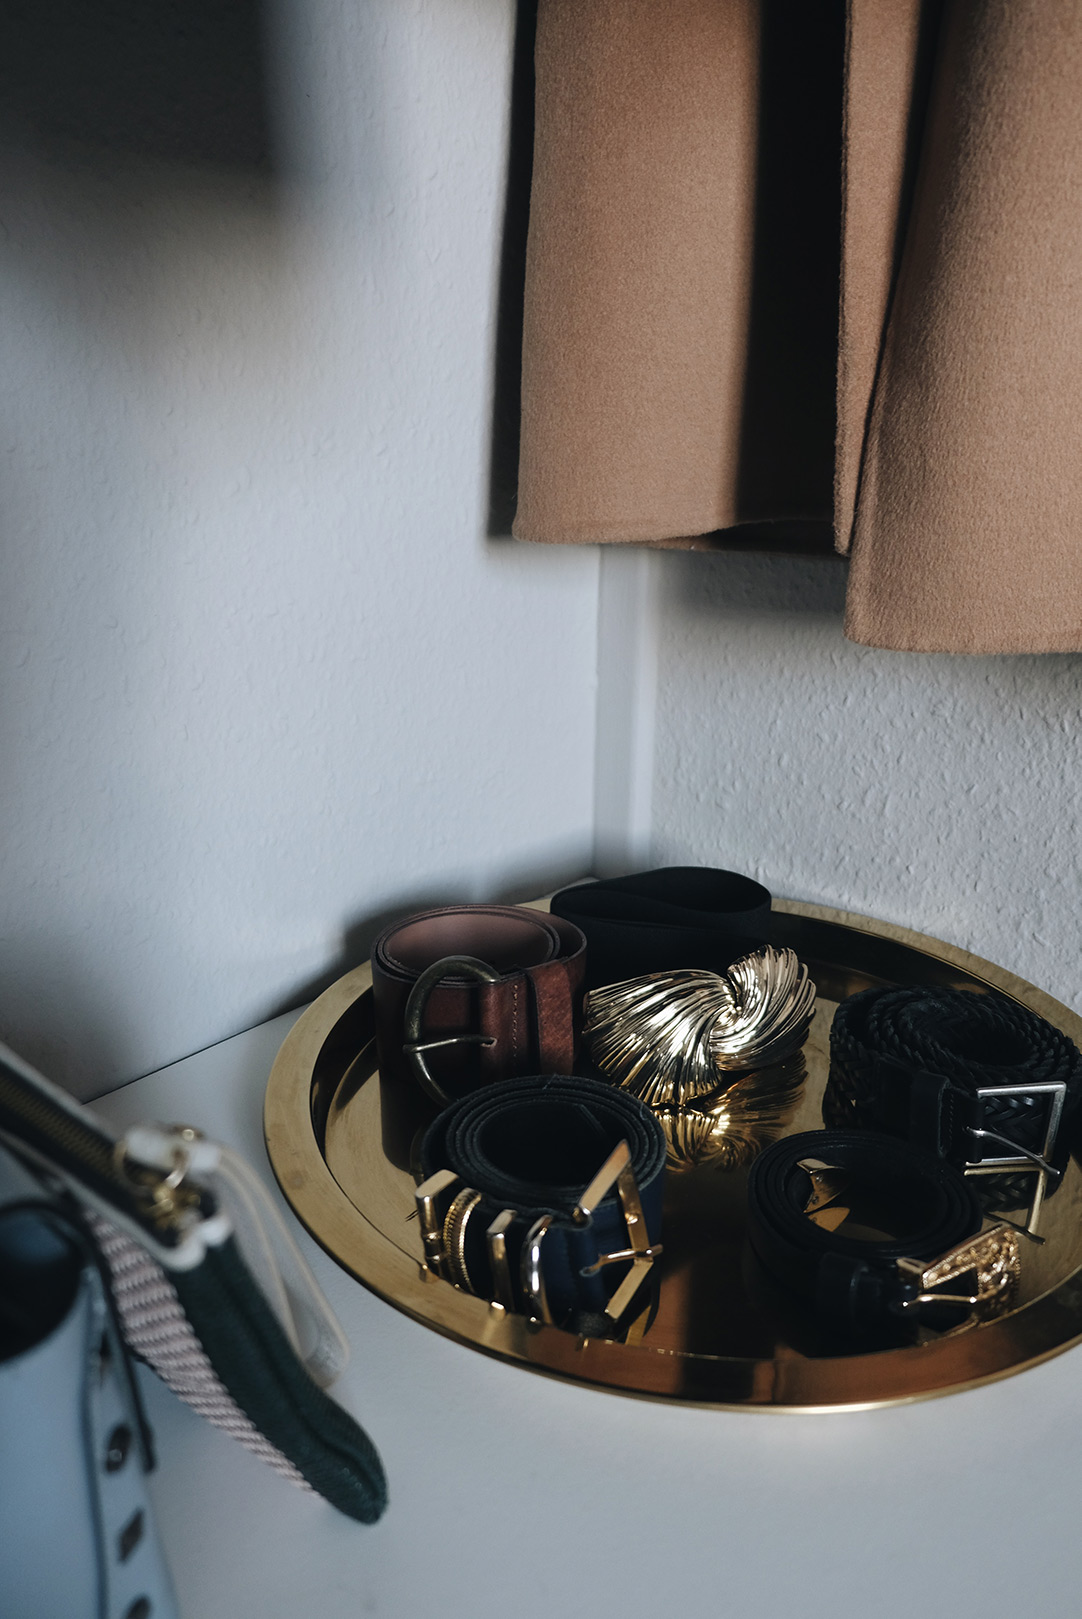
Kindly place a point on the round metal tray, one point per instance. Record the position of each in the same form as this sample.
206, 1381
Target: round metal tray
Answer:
340, 1140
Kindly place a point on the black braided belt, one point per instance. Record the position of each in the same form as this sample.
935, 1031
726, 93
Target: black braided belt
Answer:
976, 1079
860, 1281
543, 1195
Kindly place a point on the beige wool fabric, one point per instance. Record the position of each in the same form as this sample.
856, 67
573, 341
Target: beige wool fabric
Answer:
958, 459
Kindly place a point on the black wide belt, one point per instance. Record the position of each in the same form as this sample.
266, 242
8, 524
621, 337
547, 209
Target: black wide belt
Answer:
543, 1195
680, 916
976, 1079
875, 1285
469, 994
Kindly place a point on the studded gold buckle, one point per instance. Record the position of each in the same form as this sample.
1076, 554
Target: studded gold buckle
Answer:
992, 1257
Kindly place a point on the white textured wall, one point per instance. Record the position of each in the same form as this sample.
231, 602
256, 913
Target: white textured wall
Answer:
944, 793
262, 676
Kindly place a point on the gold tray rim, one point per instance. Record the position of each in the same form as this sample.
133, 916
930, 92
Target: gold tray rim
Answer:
1045, 1327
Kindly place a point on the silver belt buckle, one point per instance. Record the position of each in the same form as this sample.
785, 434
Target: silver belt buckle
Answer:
1031, 1163
413, 1047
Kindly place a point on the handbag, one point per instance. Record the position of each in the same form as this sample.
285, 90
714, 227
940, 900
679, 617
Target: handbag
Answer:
246, 1338
77, 1534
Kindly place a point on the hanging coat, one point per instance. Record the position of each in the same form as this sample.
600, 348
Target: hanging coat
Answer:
794, 261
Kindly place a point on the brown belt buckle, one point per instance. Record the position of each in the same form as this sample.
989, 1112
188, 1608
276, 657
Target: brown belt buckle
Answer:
413, 1047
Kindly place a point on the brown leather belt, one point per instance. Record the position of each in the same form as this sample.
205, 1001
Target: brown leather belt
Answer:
525, 1019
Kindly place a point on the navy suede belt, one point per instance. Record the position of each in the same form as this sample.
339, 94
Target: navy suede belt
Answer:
543, 1195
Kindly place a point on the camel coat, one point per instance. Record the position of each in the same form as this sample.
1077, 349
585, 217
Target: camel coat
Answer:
794, 260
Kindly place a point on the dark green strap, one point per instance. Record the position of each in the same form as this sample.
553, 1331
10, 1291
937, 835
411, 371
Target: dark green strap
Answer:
252, 1356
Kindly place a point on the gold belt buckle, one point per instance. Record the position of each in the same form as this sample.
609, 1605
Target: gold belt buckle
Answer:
992, 1257
615, 1171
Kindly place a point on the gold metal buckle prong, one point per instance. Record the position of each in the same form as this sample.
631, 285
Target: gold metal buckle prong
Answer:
431, 1223
498, 1263
618, 1161
622, 1253
532, 1276
617, 1170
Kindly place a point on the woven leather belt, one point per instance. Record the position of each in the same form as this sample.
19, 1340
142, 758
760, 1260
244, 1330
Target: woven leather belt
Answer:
975, 1079
679, 916
799, 1191
500, 979
543, 1195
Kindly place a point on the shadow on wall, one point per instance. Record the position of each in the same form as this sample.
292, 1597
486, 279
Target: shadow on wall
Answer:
507, 379
179, 80
515, 885
705, 584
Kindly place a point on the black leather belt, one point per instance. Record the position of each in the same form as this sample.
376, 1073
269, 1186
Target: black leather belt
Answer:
500, 979
680, 916
976, 1079
543, 1195
801, 1188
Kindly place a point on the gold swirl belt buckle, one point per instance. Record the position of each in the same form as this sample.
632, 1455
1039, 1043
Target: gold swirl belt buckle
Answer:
671, 1037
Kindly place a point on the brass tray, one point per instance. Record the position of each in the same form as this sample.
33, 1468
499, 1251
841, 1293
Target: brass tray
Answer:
339, 1142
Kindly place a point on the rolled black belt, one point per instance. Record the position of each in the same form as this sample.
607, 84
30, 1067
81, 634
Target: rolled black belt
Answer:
679, 916
934, 1270
976, 1079
543, 1195
468, 994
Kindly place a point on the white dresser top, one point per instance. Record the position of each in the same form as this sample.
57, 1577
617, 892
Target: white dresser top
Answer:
514, 1496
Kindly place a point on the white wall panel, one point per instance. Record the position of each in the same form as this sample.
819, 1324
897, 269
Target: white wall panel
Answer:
263, 675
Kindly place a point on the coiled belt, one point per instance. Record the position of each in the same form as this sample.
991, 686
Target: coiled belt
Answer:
975, 1079
800, 1189
500, 978
544, 1196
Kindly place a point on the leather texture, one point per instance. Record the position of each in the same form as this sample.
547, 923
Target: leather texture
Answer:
677, 916
851, 1285
910, 1062
533, 1145
532, 1014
